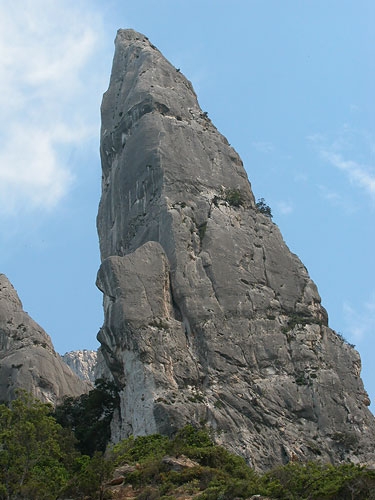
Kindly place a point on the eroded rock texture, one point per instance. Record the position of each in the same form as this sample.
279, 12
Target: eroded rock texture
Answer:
209, 318
82, 363
27, 357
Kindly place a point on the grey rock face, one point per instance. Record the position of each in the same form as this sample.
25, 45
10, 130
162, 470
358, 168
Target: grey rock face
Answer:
82, 363
208, 315
27, 357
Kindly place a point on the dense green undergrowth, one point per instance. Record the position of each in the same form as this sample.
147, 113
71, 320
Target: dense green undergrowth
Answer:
217, 474
40, 459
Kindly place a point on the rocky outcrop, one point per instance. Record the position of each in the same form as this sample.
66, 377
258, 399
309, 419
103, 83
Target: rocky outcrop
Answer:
209, 318
82, 363
27, 357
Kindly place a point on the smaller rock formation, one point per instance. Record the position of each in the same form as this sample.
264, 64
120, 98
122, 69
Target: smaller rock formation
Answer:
27, 357
82, 363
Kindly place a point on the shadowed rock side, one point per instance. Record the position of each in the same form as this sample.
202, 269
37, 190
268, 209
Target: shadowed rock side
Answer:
209, 318
27, 357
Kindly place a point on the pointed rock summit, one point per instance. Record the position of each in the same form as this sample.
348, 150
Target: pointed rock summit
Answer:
27, 357
209, 318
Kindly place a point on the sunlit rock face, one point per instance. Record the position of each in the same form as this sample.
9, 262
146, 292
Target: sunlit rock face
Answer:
82, 363
209, 318
27, 357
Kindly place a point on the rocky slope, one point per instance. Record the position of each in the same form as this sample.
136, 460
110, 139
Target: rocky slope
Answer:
27, 357
82, 363
209, 318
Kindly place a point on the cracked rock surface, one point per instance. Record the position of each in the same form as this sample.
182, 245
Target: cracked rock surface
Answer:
27, 357
82, 363
209, 318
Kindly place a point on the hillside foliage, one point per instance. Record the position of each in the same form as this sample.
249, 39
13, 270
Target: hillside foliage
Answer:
40, 459
89, 416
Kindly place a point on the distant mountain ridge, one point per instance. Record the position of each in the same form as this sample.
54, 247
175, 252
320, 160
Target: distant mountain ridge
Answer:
82, 363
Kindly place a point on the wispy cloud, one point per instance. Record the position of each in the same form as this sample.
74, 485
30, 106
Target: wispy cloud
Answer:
285, 207
45, 49
337, 200
359, 174
263, 146
361, 321
346, 151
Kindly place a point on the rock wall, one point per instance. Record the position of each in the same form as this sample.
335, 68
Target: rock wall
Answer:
27, 357
82, 363
209, 318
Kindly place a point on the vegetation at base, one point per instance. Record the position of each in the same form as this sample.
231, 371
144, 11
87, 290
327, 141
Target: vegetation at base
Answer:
89, 416
323, 482
40, 460
221, 475
38, 457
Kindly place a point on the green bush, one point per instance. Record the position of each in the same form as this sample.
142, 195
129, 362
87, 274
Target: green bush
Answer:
137, 450
263, 208
299, 319
190, 436
89, 416
234, 197
38, 461
322, 481
38, 457
34, 459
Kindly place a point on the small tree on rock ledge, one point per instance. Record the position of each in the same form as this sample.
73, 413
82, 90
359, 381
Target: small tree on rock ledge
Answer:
263, 208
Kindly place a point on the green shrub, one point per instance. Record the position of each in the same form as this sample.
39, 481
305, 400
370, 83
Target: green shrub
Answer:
38, 461
317, 481
149, 493
89, 416
191, 437
137, 450
233, 197
299, 319
35, 451
263, 208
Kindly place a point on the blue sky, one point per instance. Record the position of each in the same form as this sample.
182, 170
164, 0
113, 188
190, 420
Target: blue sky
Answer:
289, 83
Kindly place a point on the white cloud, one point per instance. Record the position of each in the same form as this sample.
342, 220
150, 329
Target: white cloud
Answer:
31, 174
337, 200
45, 51
351, 152
360, 322
361, 175
354, 108
285, 207
263, 146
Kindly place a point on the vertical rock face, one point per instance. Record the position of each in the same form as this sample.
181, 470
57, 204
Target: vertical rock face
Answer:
209, 318
27, 357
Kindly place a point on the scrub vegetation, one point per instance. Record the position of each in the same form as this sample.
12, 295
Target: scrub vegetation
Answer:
42, 459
